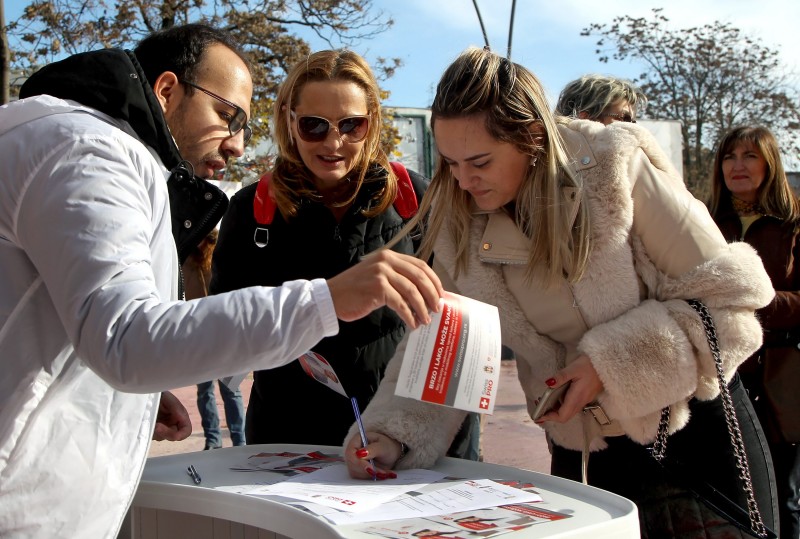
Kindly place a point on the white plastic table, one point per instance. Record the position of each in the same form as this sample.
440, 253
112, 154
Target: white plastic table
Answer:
169, 505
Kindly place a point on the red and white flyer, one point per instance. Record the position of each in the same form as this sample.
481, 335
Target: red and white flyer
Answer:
455, 360
318, 368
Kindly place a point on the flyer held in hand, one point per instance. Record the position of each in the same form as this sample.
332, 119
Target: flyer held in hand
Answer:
455, 360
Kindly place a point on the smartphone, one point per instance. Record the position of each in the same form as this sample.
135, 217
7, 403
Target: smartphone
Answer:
549, 400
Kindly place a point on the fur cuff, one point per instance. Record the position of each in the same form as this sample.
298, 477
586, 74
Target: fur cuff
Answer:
643, 359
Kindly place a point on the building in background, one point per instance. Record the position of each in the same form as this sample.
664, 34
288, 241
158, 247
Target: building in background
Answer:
418, 150
416, 146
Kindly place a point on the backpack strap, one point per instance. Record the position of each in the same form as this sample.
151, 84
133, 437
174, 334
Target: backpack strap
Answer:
405, 203
263, 210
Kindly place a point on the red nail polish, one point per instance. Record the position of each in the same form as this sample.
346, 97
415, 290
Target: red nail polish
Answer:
392, 475
361, 453
550, 382
371, 472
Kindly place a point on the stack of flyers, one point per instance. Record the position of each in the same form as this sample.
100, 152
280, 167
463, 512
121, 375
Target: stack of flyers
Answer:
287, 463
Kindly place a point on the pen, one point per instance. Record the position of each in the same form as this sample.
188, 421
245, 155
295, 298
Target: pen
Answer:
363, 434
193, 474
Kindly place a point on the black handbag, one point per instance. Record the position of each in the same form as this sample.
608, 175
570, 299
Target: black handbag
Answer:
749, 520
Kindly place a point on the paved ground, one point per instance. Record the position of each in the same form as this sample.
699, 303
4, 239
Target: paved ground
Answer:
509, 436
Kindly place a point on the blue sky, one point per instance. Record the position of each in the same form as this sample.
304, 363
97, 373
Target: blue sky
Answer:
429, 34
546, 36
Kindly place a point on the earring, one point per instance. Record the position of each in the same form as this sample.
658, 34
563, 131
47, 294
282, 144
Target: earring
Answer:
533, 161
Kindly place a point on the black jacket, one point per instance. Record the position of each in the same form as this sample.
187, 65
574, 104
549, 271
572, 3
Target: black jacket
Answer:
286, 405
113, 82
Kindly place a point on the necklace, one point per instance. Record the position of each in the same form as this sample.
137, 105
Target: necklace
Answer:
742, 207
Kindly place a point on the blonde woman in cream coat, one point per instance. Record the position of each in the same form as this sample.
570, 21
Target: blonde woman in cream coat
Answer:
586, 239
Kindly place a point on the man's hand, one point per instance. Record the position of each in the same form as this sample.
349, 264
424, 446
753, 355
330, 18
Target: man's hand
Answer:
401, 282
173, 421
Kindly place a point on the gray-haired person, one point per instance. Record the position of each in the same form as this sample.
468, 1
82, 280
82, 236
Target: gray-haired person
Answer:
601, 98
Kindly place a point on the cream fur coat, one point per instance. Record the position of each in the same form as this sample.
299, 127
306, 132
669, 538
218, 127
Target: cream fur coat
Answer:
653, 246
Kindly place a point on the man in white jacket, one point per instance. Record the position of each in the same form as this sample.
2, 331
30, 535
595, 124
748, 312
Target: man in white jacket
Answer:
91, 326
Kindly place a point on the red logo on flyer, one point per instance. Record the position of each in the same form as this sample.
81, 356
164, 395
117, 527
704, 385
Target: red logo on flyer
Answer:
484, 404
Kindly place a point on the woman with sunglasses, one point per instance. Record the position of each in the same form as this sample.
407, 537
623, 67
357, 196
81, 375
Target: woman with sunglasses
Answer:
332, 195
602, 99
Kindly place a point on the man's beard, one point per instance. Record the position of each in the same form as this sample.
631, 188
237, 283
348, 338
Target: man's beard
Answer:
188, 146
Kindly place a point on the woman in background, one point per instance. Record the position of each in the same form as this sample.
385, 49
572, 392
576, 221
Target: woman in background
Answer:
196, 272
602, 99
752, 201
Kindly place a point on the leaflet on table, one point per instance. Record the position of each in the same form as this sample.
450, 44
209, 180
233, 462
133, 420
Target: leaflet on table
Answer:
287, 463
481, 523
455, 360
333, 487
468, 495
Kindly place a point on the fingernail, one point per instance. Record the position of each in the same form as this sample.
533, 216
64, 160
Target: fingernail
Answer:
361, 453
382, 475
371, 472
392, 475
550, 382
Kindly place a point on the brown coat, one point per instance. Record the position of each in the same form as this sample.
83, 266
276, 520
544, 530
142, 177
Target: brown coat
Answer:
778, 244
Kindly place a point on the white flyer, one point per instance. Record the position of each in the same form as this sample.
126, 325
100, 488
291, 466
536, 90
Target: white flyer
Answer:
332, 486
470, 495
455, 360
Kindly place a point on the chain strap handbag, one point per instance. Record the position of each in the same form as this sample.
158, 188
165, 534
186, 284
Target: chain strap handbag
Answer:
726, 507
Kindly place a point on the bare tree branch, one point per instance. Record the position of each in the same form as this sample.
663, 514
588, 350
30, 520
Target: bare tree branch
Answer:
710, 77
268, 30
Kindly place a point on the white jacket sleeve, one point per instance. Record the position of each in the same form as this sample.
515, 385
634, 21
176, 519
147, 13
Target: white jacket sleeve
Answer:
94, 220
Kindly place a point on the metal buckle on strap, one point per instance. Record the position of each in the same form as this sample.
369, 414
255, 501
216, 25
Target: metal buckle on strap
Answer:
598, 413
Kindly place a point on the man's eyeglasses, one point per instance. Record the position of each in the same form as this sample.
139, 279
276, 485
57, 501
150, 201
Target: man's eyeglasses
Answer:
621, 117
315, 128
237, 122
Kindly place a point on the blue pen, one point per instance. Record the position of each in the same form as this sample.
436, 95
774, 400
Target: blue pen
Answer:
361, 431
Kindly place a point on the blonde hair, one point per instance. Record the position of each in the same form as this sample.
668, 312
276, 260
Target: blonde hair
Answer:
291, 179
514, 108
775, 195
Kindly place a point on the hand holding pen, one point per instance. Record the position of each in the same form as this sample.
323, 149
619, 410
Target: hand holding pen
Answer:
363, 434
355, 466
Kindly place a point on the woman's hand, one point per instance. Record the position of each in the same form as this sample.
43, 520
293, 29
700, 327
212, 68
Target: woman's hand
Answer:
584, 388
374, 461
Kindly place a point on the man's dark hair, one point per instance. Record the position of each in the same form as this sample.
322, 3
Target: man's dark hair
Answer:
180, 49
